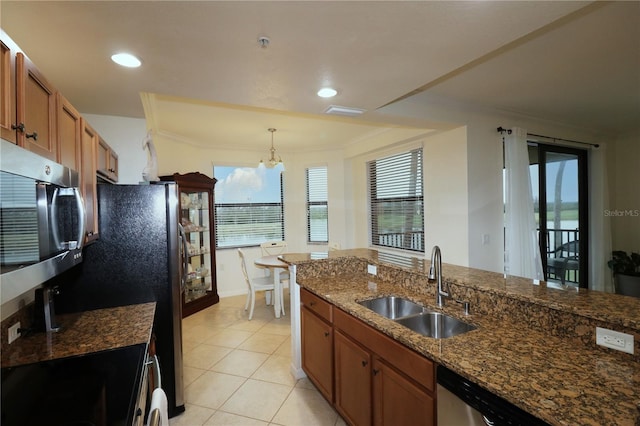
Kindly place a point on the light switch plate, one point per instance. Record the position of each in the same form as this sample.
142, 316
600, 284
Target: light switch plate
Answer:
614, 340
372, 269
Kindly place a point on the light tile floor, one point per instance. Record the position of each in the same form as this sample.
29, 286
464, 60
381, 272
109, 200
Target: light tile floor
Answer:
236, 371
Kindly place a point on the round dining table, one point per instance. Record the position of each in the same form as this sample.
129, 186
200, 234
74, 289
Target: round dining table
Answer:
276, 266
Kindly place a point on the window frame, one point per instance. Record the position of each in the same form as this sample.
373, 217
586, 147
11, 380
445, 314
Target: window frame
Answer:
218, 206
310, 204
415, 243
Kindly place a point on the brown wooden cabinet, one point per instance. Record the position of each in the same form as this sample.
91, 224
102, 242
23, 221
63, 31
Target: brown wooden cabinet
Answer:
88, 180
398, 400
197, 220
69, 127
107, 161
36, 110
377, 381
317, 342
353, 380
8, 120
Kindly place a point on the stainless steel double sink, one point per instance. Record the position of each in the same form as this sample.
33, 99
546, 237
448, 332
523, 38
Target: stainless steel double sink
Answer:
417, 318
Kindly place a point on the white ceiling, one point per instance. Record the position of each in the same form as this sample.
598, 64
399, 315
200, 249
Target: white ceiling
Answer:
206, 80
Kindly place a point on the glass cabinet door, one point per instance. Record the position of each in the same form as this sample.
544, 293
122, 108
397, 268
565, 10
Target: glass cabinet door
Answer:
195, 219
196, 201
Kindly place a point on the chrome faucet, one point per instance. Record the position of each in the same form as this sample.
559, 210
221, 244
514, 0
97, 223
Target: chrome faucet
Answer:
435, 273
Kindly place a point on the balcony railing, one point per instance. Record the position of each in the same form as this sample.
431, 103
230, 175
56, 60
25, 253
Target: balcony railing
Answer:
563, 244
412, 240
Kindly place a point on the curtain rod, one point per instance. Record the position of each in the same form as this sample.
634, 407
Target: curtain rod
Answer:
595, 145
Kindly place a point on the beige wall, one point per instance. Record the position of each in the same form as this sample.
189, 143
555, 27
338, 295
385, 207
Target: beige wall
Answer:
465, 157
624, 175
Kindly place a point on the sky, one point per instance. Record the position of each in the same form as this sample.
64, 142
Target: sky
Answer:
246, 185
569, 181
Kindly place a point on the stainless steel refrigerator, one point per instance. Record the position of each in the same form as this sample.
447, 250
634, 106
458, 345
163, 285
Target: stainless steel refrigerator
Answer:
136, 259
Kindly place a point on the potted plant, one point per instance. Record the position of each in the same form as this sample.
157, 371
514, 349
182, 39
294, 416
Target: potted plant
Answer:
626, 270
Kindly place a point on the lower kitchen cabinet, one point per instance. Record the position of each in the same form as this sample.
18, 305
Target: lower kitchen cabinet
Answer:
399, 401
376, 380
353, 381
317, 351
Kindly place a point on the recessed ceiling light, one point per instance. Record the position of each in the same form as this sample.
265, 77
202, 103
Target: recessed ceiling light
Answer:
126, 60
327, 92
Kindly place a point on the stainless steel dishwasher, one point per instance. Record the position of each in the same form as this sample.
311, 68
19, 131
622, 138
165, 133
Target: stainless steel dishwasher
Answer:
464, 403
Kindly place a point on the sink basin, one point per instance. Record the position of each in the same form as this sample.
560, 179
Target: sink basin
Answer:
393, 307
436, 325
417, 317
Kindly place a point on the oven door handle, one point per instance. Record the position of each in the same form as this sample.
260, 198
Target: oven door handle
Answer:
155, 363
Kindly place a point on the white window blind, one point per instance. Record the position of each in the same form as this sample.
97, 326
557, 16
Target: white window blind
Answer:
248, 206
396, 201
19, 225
317, 205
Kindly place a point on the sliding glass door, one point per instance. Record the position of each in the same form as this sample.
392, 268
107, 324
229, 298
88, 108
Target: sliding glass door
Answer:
559, 184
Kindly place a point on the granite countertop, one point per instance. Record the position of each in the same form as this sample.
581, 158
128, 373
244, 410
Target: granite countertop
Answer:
559, 380
84, 333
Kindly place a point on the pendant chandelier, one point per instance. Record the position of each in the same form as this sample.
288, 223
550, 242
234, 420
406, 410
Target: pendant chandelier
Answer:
273, 161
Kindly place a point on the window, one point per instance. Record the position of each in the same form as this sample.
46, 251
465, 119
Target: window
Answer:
397, 204
317, 207
249, 207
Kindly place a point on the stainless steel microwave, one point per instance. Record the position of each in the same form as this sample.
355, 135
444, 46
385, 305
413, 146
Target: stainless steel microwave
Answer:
42, 220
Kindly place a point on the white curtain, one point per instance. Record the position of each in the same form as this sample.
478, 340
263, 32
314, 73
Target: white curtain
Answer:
600, 277
522, 253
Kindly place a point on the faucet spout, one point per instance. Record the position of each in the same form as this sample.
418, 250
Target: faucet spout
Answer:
435, 274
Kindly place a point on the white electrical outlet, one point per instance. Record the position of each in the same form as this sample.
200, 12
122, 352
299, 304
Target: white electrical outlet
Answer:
13, 332
614, 340
372, 269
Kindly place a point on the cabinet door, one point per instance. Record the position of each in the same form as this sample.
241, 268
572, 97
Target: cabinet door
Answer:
36, 102
113, 165
102, 164
317, 352
397, 400
69, 135
8, 90
107, 161
88, 180
352, 380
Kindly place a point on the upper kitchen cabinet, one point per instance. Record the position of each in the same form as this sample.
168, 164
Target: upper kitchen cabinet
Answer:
107, 165
88, 180
69, 135
8, 120
36, 109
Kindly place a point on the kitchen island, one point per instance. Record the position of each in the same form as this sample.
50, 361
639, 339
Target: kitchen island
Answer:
534, 345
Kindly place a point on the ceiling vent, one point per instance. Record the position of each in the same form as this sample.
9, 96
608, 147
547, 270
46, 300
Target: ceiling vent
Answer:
341, 110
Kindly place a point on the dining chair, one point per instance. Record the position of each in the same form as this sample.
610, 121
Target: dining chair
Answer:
271, 248
274, 248
255, 284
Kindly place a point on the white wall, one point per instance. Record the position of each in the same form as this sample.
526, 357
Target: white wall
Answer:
445, 193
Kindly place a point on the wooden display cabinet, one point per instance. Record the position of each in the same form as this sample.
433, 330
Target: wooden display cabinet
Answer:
197, 219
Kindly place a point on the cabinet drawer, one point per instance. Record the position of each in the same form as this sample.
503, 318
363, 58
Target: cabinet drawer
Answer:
315, 304
404, 359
